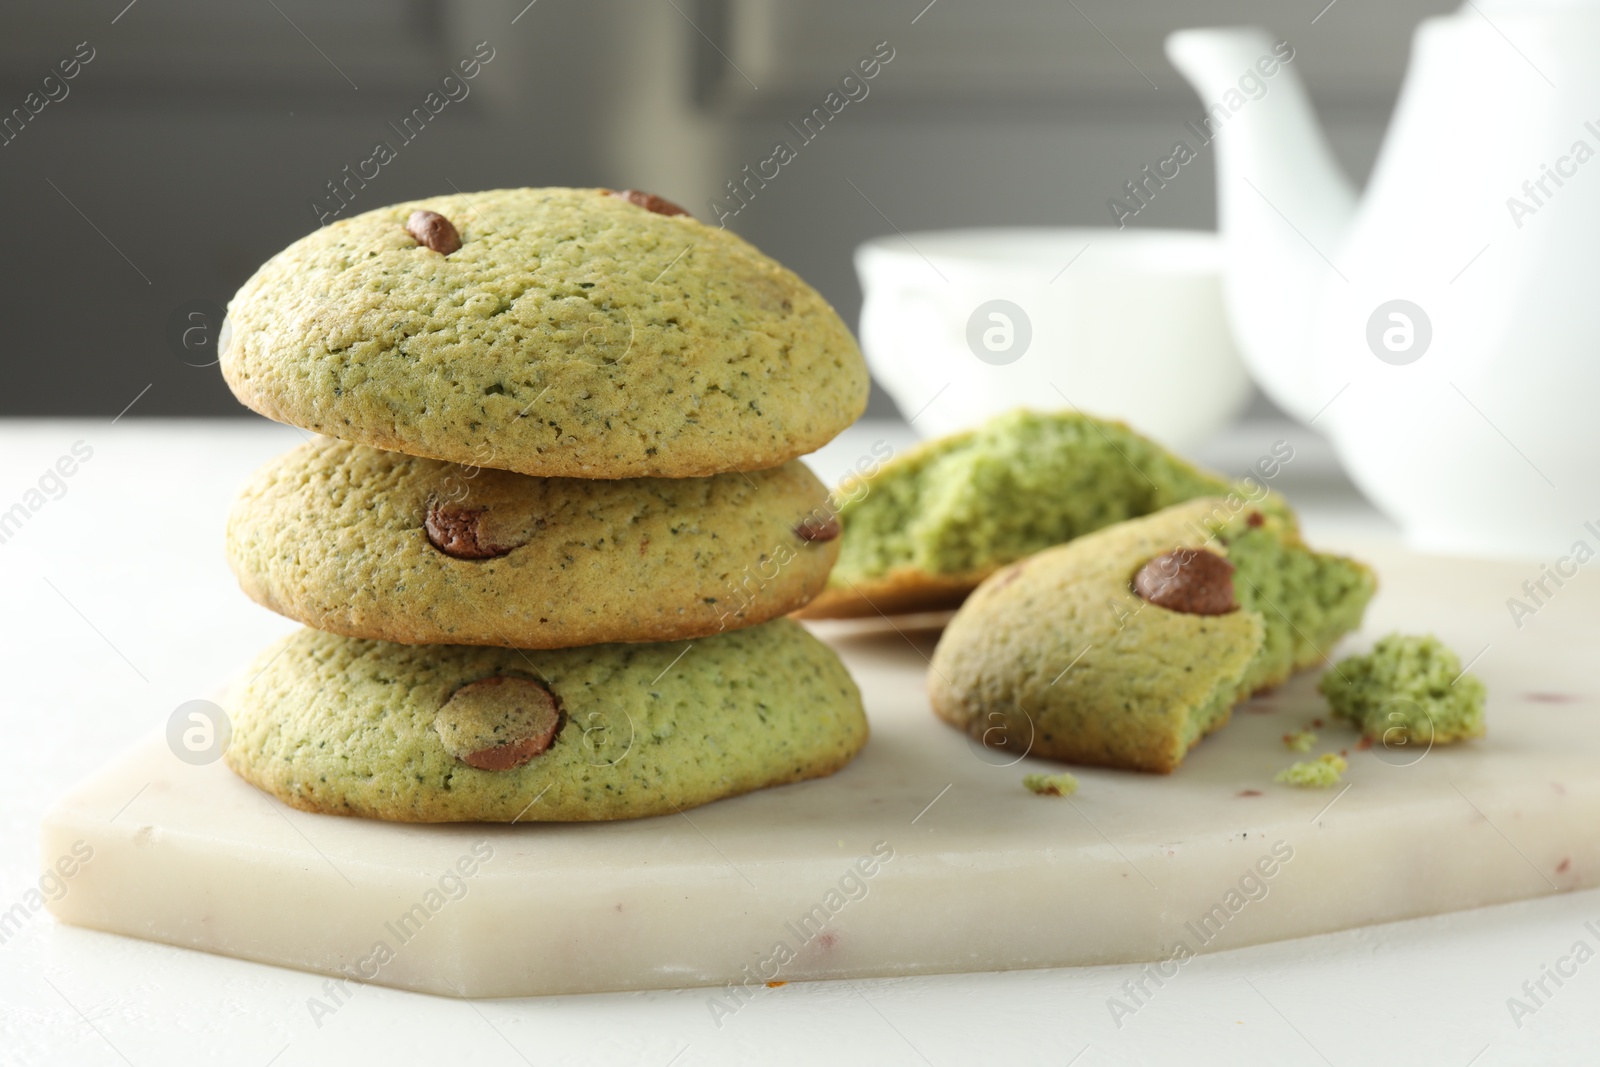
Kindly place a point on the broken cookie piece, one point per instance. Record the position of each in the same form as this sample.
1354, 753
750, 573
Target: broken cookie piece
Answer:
923, 528
1061, 650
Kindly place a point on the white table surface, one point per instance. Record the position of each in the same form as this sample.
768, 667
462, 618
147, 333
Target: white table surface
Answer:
118, 606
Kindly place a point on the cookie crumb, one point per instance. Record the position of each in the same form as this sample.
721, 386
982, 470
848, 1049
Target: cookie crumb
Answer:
1051, 785
1407, 689
1321, 773
1300, 740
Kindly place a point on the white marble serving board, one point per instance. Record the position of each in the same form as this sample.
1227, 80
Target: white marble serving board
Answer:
983, 875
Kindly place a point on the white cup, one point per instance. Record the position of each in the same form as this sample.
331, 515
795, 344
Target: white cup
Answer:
961, 325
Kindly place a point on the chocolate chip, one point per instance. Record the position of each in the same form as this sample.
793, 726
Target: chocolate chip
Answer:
818, 528
457, 530
505, 757
1190, 580
650, 202
433, 230
1254, 519
498, 723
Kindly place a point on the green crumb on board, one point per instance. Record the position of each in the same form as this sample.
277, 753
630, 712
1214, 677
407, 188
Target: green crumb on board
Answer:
1300, 740
1408, 688
1051, 785
1320, 773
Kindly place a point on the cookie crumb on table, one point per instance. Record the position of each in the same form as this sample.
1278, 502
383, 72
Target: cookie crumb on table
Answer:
1051, 785
1409, 688
1300, 740
1320, 773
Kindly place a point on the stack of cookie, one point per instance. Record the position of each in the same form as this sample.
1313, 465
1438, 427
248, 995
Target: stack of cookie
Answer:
546, 542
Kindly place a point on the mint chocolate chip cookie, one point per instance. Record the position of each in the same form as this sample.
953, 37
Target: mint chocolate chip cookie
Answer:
1125, 647
381, 545
573, 332
922, 531
451, 733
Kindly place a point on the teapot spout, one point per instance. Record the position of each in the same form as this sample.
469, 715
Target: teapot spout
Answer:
1283, 205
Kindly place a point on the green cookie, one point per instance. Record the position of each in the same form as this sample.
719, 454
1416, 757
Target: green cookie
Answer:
382, 545
450, 733
571, 333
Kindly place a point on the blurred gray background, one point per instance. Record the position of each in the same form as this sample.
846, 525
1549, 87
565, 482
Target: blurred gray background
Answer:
196, 141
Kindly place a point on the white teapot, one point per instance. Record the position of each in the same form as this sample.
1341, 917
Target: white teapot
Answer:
1445, 328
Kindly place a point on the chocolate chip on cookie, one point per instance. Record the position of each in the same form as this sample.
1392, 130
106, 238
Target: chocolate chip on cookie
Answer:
1190, 580
818, 528
457, 530
498, 723
650, 202
433, 230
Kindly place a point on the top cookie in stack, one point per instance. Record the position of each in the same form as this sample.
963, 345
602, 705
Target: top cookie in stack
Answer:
555, 419
557, 332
